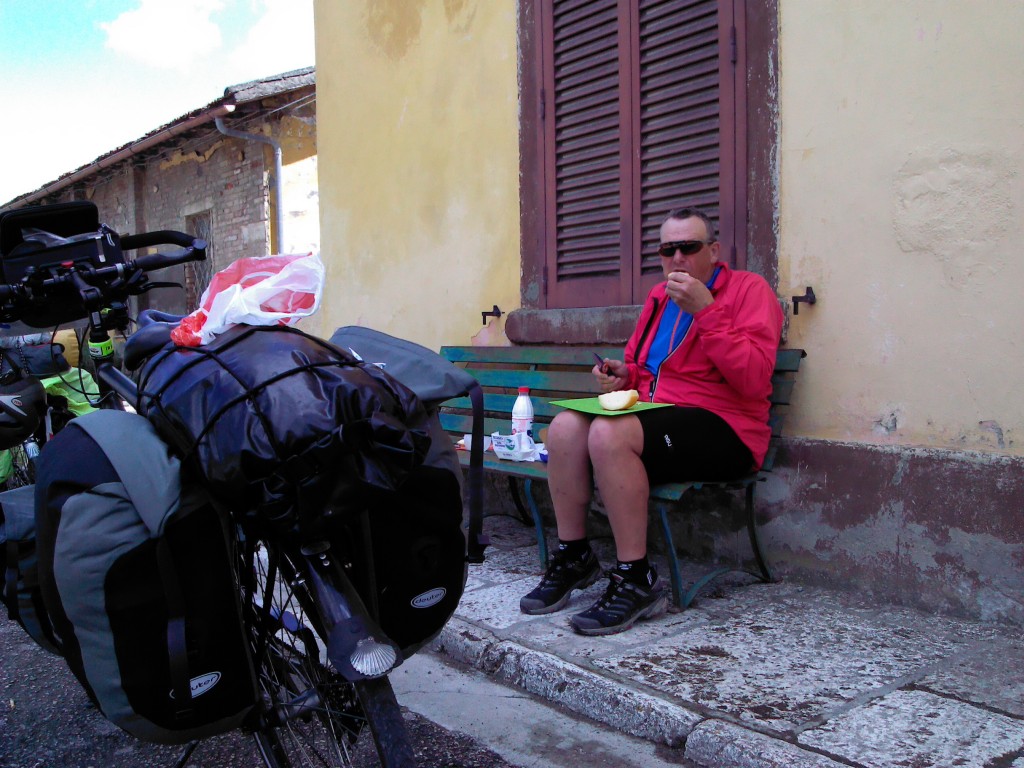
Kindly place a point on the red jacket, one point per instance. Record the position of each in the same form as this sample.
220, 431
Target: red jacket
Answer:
724, 363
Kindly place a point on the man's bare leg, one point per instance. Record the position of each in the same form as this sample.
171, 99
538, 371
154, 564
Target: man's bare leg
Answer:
573, 566
615, 447
569, 478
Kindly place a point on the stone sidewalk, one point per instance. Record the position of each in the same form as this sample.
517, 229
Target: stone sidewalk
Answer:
776, 675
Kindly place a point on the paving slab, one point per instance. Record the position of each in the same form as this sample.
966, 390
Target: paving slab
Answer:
522, 729
765, 675
784, 664
718, 743
914, 728
991, 676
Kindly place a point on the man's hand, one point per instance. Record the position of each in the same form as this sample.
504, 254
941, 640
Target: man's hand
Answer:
689, 294
613, 377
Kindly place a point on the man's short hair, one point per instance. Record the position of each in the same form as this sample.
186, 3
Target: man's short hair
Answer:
690, 213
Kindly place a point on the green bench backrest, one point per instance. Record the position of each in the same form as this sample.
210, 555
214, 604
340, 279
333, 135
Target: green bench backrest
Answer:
559, 373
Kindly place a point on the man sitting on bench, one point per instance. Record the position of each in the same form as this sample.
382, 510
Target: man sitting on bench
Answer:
705, 342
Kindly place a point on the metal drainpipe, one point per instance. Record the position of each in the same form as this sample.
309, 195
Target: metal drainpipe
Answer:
278, 197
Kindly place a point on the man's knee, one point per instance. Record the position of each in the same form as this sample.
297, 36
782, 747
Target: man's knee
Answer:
568, 428
613, 438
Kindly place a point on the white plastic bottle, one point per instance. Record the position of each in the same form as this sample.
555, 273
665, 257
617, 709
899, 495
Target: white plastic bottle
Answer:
522, 413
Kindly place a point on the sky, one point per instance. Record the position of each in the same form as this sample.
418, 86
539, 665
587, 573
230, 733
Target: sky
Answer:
79, 78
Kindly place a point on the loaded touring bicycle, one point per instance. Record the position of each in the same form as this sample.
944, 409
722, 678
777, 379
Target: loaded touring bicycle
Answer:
203, 559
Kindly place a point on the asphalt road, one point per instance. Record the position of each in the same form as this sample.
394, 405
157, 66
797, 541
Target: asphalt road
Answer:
46, 721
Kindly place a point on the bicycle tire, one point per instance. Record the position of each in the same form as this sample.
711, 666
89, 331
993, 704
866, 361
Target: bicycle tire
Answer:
23, 469
318, 716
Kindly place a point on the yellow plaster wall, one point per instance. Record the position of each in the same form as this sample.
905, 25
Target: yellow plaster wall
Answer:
901, 159
419, 163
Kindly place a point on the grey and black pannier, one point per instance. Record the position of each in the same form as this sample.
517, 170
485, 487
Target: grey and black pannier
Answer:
301, 434
19, 565
137, 578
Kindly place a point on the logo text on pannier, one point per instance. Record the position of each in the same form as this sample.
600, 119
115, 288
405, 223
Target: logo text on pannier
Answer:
429, 598
202, 684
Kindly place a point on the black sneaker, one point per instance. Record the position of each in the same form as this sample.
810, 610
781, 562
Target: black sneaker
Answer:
561, 578
623, 604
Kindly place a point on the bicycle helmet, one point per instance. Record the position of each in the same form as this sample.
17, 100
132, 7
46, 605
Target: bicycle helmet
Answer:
22, 405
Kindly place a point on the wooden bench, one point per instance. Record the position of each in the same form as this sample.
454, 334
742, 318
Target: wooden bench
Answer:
562, 372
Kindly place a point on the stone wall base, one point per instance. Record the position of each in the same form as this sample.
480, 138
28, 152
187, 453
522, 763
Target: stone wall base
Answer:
938, 530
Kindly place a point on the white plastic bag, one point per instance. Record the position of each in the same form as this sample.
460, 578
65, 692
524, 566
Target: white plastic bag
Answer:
265, 290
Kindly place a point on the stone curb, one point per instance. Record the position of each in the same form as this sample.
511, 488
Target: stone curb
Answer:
707, 741
578, 690
716, 742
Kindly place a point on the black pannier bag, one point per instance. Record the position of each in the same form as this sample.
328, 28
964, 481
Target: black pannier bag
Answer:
19, 566
416, 553
282, 425
408, 553
137, 578
435, 381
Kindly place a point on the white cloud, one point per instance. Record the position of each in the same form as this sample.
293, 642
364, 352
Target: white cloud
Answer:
255, 39
166, 34
279, 41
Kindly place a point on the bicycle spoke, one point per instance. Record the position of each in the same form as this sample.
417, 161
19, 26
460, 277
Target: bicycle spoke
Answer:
315, 714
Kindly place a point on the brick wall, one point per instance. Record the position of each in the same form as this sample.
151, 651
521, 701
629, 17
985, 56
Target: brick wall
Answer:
207, 172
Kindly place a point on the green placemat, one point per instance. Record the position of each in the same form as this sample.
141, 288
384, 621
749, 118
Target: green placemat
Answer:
592, 406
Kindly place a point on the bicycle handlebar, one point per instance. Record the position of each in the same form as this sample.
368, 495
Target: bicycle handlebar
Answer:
195, 250
72, 288
160, 237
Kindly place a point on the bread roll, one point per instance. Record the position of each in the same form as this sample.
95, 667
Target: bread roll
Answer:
619, 400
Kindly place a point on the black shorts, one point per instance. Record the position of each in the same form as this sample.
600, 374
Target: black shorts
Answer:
682, 443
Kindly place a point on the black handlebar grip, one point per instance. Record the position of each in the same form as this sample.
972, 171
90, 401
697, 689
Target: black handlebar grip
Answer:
196, 251
161, 237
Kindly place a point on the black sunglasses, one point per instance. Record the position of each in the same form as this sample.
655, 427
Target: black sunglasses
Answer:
688, 247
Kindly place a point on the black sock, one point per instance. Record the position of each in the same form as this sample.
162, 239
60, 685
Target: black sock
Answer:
637, 571
575, 550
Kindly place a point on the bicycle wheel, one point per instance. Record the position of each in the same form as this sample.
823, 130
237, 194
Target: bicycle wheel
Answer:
20, 468
316, 718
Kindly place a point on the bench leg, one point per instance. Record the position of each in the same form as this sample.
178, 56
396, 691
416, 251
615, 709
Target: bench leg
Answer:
673, 558
755, 544
682, 599
538, 522
521, 509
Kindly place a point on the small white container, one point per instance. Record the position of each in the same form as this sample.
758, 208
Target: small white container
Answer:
467, 440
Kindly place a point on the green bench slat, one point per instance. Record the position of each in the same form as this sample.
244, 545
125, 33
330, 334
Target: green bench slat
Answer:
532, 470
550, 381
782, 390
502, 404
789, 359
528, 355
460, 424
785, 360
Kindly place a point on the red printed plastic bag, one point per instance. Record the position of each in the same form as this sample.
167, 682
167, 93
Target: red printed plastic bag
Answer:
265, 290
